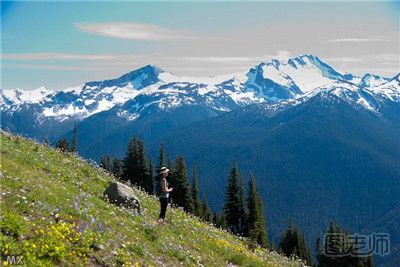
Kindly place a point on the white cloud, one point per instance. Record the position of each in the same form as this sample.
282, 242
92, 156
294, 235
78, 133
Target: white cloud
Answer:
134, 31
347, 40
381, 58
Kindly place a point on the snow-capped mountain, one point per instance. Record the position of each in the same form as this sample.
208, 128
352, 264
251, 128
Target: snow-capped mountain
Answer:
149, 89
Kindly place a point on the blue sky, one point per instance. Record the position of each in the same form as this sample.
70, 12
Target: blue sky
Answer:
61, 44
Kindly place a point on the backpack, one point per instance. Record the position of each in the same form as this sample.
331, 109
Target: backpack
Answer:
157, 186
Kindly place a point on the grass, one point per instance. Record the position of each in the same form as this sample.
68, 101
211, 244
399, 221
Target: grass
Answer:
53, 213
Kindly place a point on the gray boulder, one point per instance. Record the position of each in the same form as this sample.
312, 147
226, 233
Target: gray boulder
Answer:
121, 194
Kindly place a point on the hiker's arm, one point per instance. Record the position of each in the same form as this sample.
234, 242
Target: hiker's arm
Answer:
164, 186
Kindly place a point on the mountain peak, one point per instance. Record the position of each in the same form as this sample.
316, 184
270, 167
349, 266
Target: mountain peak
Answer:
150, 67
150, 71
139, 78
304, 60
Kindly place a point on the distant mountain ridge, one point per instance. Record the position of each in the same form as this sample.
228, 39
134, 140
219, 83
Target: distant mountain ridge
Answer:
150, 88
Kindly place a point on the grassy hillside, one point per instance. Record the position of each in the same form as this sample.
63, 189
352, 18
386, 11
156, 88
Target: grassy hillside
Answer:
52, 213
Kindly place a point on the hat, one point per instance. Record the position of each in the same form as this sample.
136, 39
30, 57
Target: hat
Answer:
163, 170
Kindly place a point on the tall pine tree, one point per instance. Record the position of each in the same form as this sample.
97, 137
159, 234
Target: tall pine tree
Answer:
151, 168
195, 192
130, 162
216, 220
117, 167
205, 210
144, 179
293, 243
232, 204
262, 237
171, 167
256, 219
161, 158
242, 209
181, 194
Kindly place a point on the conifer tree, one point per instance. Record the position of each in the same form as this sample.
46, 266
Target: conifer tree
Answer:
272, 245
195, 192
161, 159
130, 162
144, 179
117, 167
252, 209
242, 209
216, 220
170, 162
62, 144
222, 221
171, 167
181, 194
256, 217
292, 243
302, 251
346, 250
262, 237
205, 210
231, 205
151, 168
105, 163
318, 255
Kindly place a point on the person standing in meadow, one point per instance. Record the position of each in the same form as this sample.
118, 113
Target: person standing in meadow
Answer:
162, 191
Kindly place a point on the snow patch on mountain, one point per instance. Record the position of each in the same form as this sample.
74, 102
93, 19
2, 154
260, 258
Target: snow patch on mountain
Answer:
19, 96
308, 72
389, 89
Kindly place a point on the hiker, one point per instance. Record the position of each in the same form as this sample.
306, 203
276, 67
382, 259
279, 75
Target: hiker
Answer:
162, 191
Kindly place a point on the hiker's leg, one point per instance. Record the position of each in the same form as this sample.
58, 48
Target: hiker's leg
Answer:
163, 206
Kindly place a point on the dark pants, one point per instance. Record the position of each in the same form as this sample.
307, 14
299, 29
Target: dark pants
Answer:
163, 204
